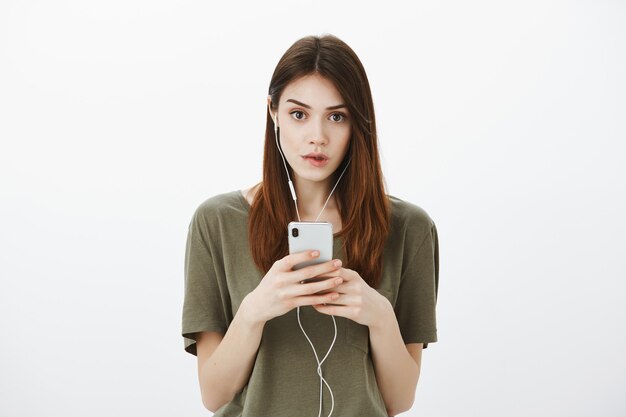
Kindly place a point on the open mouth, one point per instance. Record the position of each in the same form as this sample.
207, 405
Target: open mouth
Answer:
318, 161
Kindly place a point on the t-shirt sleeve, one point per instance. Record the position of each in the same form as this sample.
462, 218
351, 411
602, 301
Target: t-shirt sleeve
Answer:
415, 306
203, 306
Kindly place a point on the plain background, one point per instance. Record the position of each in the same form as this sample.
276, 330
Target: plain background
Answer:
505, 121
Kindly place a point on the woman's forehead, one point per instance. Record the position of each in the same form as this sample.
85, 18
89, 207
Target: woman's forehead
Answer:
313, 90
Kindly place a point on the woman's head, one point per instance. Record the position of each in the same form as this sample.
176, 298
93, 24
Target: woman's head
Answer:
313, 119
320, 72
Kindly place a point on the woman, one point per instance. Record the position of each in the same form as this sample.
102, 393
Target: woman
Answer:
258, 331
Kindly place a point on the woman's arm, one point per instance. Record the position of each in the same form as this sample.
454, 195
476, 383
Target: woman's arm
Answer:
396, 370
224, 371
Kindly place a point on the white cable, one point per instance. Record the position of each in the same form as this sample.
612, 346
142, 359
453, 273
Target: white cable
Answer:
319, 363
331, 192
293, 190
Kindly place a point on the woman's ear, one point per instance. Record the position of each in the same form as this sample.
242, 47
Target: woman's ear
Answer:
273, 114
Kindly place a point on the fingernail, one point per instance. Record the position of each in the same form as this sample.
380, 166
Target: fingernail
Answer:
339, 280
314, 253
337, 262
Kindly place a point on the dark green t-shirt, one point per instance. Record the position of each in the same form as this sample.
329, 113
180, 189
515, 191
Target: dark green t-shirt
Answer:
220, 272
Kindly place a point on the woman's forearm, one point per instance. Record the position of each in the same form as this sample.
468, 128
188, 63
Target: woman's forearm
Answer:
228, 368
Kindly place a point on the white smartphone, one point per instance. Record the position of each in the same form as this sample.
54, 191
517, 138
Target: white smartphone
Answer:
311, 236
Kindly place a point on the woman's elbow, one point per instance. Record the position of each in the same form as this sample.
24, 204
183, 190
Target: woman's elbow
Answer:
214, 401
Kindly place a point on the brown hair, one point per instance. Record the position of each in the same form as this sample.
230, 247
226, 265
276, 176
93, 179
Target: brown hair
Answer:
363, 204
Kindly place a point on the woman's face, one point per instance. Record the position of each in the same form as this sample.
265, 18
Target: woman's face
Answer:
313, 118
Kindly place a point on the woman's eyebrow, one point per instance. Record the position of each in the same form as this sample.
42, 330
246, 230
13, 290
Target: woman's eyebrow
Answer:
299, 103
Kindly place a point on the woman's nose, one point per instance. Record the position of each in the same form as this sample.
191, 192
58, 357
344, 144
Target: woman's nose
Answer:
317, 140
316, 135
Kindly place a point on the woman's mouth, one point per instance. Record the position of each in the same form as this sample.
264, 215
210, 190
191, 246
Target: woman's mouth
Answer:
316, 162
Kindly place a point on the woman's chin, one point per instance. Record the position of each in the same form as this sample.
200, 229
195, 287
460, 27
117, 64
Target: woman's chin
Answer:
317, 177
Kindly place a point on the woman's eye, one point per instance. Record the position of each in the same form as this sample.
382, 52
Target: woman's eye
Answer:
296, 112
341, 117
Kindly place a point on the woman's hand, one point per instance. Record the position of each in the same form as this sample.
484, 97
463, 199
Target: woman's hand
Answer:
281, 290
357, 300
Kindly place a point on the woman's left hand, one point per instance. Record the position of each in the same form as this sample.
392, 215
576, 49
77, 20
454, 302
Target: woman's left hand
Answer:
358, 301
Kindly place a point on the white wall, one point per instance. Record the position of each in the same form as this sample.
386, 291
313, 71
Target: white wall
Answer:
505, 121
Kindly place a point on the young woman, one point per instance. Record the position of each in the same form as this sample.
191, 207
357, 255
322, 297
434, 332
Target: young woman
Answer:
265, 340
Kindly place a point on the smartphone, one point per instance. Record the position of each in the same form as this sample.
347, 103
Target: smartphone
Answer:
311, 236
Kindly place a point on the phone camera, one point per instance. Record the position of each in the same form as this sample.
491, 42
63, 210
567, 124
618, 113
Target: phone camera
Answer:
294, 232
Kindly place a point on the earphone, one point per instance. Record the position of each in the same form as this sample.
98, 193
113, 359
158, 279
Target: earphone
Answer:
293, 191
293, 195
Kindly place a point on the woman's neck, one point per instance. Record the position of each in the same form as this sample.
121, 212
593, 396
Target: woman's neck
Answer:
311, 199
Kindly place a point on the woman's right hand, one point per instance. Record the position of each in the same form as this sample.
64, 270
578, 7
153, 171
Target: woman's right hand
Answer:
281, 290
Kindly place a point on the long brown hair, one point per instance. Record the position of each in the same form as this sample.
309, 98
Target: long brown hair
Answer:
363, 204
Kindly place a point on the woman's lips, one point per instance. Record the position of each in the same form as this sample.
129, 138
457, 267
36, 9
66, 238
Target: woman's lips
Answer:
315, 162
